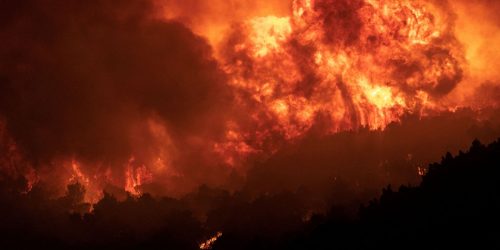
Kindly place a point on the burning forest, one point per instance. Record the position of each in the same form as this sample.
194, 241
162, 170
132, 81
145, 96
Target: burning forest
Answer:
282, 124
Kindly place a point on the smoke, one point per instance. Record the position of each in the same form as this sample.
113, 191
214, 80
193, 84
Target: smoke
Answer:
344, 64
212, 19
162, 96
478, 30
104, 81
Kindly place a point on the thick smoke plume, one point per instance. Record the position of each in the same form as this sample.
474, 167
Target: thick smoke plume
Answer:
163, 96
106, 83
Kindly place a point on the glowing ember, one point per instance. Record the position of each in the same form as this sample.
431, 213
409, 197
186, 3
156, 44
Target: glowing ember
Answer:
421, 171
208, 243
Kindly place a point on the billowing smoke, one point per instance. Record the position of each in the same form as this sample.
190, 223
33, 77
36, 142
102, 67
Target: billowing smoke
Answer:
163, 96
105, 83
341, 64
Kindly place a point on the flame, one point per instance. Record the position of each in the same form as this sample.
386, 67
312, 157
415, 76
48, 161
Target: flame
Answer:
268, 33
421, 171
78, 175
353, 65
93, 191
325, 65
135, 177
208, 243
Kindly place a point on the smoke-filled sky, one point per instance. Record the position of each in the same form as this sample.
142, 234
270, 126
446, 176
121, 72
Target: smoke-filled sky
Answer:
165, 95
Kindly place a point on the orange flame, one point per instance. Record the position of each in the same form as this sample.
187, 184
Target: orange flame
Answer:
349, 65
208, 243
326, 65
135, 177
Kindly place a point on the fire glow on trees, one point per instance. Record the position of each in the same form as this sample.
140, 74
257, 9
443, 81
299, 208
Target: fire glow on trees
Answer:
327, 65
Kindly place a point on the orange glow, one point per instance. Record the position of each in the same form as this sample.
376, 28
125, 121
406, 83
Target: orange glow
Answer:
135, 177
295, 68
208, 243
268, 33
93, 191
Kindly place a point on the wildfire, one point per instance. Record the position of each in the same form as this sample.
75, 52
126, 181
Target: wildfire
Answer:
208, 243
325, 66
135, 177
355, 64
421, 171
267, 34
91, 183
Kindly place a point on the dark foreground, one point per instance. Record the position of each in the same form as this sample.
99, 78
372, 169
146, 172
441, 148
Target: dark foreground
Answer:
456, 205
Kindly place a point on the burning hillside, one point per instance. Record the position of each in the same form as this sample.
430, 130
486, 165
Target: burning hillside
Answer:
256, 118
160, 97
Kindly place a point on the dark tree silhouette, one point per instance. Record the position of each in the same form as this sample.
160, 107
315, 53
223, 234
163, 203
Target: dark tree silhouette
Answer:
456, 205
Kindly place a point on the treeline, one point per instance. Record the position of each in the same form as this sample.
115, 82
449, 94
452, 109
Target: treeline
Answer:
457, 204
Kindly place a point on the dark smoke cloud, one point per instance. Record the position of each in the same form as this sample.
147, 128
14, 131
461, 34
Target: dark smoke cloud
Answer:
82, 78
341, 20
